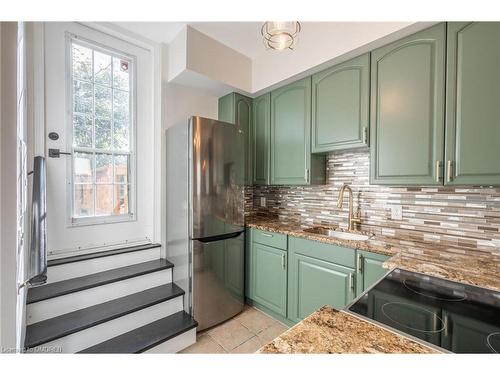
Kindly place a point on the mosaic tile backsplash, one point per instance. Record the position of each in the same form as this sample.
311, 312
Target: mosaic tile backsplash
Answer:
465, 218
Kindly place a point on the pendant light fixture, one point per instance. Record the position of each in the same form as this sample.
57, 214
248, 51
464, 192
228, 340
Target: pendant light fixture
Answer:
280, 35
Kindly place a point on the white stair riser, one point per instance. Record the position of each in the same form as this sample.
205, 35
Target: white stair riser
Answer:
87, 267
53, 307
175, 344
105, 331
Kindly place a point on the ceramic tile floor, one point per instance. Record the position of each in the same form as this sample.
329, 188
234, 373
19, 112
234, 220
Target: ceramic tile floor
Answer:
245, 333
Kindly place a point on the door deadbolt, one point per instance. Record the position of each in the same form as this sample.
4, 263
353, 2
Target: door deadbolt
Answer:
53, 136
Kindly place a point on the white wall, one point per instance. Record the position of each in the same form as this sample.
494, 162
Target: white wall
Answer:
8, 190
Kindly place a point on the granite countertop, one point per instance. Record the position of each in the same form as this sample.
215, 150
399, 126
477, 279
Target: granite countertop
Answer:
331, 331
479, 269
297, 230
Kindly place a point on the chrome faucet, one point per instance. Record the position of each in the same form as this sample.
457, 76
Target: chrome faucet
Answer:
353, 219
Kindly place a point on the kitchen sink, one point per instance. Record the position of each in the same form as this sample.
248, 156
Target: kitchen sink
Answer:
338, 234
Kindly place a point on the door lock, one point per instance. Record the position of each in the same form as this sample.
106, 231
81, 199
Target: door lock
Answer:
56, 153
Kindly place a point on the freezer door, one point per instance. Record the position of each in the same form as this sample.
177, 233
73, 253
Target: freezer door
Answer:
217, 171
218, 280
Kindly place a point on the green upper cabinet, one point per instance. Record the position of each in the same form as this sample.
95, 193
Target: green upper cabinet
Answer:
237, 109
407, 110
473, 104
370, 269
291, 159
261, 139
340, 112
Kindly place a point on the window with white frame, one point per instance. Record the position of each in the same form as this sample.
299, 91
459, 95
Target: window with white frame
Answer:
102, 133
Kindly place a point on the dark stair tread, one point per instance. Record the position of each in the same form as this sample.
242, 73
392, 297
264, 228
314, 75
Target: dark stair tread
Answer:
66, 324
101, 254
77, 284
148, 336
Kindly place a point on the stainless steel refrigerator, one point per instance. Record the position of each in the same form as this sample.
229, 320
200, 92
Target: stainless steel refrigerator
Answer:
209, 199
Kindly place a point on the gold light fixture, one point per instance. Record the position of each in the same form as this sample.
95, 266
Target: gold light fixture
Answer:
280, 35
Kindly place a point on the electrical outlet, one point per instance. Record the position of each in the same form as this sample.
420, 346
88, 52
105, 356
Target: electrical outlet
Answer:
262, 201
397, 212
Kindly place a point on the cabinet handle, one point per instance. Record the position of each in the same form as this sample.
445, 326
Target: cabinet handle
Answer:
306, 175
446, 325
351, 281
438, 170
283, 265
449, 171
365, 135
360, 263
267, 235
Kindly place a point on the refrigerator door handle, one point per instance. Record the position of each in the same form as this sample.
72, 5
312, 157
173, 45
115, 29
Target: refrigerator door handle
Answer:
219, 237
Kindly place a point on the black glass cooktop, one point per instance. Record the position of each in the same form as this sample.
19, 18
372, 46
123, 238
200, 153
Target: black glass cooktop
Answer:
456, 317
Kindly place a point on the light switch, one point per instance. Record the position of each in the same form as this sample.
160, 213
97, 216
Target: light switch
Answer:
396, 212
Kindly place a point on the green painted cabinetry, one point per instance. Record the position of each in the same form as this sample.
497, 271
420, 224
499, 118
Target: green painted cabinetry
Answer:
291, 159
269, 277
407, 110
237, 109
319, 274
473, 104
261, 139
369, 269
340, 106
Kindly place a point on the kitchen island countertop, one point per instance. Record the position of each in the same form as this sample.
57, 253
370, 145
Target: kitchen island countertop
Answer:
329, 331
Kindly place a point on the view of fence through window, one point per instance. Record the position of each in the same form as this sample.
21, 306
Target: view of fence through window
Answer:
101, 95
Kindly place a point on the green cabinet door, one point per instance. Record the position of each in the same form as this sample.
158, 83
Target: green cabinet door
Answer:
314, 283
340, 106
237, 109
291, 160
407, 110
269, 277
473, 104
261, 139
369, 269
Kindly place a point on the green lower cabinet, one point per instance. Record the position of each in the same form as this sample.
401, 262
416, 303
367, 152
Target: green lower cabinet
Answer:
369, 269
315, 283
319, 274
269, 277
473, 98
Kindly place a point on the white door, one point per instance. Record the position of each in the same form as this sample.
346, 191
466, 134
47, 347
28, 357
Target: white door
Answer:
99, 108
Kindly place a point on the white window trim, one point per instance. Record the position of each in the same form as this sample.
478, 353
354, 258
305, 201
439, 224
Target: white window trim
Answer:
105, 219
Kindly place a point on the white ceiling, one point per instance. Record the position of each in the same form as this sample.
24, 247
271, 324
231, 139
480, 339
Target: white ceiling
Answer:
243, 37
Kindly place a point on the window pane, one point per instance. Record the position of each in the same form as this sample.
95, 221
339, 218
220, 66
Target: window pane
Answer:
104, 199
103, 168
84, 201
121, 135
82, 97
102, 68
84, 167
121, 74
121, 200
102, 101
82, 62
103, 133
82, 131
121, 169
